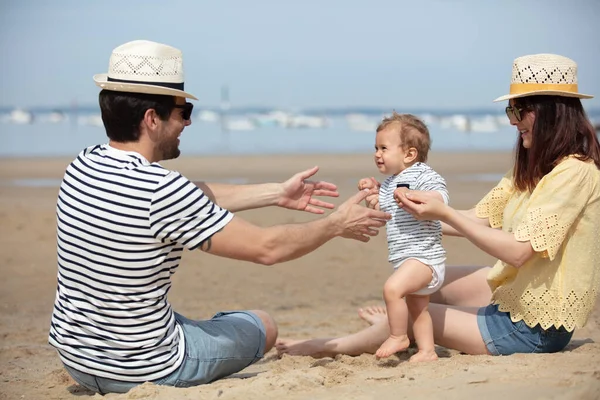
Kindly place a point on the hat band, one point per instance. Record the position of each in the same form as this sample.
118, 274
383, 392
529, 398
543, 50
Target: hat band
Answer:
520, 88
171, 85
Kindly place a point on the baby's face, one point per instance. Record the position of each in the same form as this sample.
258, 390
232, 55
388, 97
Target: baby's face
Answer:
390, 156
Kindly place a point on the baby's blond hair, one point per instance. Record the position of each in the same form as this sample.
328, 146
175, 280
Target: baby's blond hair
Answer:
413, 132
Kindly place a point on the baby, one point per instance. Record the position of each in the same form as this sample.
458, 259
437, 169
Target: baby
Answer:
415, 249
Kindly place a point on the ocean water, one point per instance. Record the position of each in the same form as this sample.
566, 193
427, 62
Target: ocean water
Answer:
67, 138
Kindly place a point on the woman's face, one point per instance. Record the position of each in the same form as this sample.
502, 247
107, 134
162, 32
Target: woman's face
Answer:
525, 125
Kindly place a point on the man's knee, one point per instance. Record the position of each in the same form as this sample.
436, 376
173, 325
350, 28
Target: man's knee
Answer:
270, 328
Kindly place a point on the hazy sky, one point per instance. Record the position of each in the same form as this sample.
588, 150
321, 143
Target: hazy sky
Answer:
309, 53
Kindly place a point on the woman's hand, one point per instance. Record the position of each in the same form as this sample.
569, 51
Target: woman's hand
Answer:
423, 205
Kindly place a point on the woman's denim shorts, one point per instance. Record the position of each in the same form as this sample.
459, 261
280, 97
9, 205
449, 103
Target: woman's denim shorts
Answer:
214, 349
503, 337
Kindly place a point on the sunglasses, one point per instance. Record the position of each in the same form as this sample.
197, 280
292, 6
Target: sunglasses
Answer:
187, 110
514, 112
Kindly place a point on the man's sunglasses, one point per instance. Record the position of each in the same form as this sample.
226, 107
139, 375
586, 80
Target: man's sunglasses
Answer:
514, 112
187, 110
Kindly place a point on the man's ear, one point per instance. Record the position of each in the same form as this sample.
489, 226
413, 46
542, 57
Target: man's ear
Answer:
411, 155
150, 119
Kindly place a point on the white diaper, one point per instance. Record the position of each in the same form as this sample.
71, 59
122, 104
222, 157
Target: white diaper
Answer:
437, 280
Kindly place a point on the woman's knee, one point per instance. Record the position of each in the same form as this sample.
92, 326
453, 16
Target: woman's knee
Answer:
464, 286
271, 330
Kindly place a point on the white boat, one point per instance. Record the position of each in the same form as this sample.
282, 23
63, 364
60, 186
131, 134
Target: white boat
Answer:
240, 124
20, 116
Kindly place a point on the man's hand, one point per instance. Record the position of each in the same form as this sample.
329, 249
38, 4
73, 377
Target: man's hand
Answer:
299, 194
372, 199
358, 222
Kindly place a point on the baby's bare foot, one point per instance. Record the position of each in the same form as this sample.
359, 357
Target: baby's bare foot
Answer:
373, 314
312, 347
392, 345
424, 355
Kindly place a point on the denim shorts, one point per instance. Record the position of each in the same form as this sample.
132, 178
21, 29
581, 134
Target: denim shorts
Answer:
502, 336
214, 349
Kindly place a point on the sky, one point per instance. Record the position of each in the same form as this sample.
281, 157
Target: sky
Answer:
299, 54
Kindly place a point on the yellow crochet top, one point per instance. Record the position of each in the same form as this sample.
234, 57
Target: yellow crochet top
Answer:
561, 218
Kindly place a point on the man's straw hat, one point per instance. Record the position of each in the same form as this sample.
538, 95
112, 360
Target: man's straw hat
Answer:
544, 74
142, 66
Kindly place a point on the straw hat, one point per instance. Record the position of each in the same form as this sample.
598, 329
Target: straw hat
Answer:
142, 66
544, 74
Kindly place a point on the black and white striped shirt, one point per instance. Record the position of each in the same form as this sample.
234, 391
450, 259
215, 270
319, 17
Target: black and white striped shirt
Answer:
406, 236
122, 225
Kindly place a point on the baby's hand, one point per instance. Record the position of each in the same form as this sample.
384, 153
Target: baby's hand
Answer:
368, 183
372, 201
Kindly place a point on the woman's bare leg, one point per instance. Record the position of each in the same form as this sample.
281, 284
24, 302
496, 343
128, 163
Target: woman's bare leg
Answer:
367, 340
456, 328
465, 288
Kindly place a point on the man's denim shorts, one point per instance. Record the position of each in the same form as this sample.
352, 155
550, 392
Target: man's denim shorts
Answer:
214, 349
503, 337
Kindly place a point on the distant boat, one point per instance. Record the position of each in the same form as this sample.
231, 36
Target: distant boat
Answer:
208, 116
240, 125
487, 123
91, 119
361, 122
53, 117
458, 121
20, 116
306, 121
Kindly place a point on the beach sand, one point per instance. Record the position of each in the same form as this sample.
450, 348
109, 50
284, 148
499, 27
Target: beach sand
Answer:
316, 295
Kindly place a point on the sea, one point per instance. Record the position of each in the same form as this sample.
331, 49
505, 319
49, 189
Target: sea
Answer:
57, 133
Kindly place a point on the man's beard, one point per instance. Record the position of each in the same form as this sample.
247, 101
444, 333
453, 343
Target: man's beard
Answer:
170, 151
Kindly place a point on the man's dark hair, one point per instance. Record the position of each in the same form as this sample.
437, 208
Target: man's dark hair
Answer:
122, 112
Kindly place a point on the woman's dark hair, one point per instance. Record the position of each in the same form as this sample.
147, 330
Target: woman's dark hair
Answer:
561, 128
122, 112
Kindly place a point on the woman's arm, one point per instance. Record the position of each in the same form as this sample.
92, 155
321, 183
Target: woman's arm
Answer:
497, 243
435, 194
450, 231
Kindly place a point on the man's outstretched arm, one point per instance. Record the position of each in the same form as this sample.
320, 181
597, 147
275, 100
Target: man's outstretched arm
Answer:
297, 193
244, 241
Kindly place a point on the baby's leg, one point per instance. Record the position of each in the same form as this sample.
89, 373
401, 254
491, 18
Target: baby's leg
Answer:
410, 277
422, 328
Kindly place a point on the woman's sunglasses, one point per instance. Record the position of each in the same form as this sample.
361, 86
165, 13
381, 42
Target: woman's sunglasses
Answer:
187, 110
514, 112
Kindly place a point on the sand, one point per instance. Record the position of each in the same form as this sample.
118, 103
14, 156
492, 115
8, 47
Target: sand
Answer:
316, 295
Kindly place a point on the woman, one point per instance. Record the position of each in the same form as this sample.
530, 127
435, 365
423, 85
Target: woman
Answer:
540, 221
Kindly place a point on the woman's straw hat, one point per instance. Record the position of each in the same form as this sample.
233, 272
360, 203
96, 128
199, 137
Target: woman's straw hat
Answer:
142, 66
544, 74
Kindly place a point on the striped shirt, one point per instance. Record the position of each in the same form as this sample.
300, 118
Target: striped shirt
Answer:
406, 236
122, 225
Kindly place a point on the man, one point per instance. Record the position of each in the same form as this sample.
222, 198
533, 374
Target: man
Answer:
123, 222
